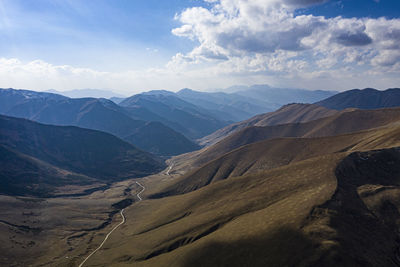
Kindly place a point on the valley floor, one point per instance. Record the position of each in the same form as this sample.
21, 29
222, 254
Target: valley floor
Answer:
63, 231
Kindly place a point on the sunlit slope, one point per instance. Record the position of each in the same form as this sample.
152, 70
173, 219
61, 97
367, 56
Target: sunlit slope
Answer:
291, 113
341, 123
269, 154
368, 98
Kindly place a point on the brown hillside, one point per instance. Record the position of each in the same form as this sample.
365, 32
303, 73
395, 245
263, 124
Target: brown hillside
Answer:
341, 123
269, 154
330, 210
291, 113
227, 220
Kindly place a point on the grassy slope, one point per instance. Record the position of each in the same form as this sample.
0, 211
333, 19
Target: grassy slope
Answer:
222, 216
364, 99
269, 154
292, 113
341, 123
24, 175
299, 214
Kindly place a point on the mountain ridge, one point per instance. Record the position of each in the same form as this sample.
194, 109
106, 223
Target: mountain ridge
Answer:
367, 98
290, 113
340, 123
93, 113
45, 149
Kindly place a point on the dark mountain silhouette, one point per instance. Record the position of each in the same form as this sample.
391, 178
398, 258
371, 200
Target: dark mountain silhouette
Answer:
92, 113
36, 158
363, 99
160, 140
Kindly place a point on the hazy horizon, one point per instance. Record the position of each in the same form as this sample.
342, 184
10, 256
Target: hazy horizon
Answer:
116, 93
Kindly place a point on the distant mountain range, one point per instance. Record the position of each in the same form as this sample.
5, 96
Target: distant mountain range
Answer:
363, 99
163, 122
93, 113
282, 96
36, 159
182, 116
228, 107
245, 103
294, 113
197, 114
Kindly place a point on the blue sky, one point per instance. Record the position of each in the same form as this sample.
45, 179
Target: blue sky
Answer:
357, 8
107, 34
139, 45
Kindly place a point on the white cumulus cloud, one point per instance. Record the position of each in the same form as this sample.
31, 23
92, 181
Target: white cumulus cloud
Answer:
266, 37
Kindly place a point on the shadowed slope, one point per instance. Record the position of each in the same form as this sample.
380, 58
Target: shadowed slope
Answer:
28, 146
227, 106
96, 114
192, 121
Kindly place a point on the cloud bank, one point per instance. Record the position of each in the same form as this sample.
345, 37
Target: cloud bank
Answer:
265, 37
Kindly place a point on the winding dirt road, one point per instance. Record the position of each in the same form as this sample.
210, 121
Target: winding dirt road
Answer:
121, 223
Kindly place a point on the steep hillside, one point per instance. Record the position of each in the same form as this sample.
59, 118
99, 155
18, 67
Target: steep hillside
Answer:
291, 113
37, 157
160, 140
23, 175
341, 123
273, 153
92, 113
189, 119
336, 207
317, 212
251, 220
363, 99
